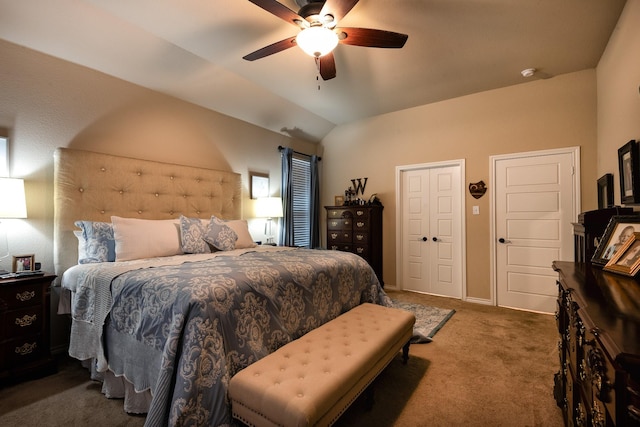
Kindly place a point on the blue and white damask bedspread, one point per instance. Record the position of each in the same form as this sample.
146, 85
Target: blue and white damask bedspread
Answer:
184, 330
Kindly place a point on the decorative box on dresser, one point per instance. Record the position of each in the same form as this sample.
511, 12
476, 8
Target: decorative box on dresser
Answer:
24, 327
598, 318
357, 229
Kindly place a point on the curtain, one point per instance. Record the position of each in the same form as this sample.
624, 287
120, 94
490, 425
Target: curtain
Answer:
286, 189
314, 209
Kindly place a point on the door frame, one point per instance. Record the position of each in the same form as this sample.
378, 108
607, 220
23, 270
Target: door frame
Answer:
574, 151
460, 163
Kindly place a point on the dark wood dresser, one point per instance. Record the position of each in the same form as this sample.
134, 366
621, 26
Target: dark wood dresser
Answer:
598, 319
24, 328
357, 229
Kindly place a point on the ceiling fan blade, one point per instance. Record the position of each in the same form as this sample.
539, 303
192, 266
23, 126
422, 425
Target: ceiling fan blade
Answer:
327, 66
337, 8
271, 49
368, 37
280, 10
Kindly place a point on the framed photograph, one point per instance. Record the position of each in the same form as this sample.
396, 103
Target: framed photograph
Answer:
618, 231
627, 260
629, 178
338, 200
23, 263
605, 191
258, 185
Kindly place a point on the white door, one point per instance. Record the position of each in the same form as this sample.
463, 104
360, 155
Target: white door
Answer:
536, 200
431, 230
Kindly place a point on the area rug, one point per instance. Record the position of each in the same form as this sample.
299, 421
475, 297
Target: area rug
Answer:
429, 320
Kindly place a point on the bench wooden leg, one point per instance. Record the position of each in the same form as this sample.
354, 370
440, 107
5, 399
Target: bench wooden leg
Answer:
405, 352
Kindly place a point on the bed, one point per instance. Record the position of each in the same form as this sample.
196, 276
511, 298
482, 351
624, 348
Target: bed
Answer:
168, 295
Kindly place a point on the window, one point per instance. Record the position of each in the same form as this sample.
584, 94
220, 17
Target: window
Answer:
301, 173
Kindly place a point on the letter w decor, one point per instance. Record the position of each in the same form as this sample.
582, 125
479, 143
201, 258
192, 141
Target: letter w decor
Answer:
359, 188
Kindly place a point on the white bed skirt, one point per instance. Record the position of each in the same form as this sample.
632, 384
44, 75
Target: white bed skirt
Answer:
114, 387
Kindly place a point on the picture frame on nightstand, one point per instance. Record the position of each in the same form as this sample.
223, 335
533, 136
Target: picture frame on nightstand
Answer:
23, 263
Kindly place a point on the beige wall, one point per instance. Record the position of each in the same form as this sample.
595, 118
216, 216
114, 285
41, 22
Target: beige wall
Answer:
618, 76
542, 114
47, 103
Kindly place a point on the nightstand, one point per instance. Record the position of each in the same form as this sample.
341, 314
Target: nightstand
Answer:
24, 327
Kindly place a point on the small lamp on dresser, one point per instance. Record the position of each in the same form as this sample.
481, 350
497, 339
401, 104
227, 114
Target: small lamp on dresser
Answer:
12, 205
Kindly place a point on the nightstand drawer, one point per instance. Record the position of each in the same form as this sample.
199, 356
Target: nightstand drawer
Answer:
23, 322
24, 327
21, 351
21, 296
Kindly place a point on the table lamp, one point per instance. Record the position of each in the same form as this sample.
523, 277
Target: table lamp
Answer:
12, 205
269, 208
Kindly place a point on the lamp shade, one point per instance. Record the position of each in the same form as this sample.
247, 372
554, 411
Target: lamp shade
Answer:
12, 200
317, 41
269, 207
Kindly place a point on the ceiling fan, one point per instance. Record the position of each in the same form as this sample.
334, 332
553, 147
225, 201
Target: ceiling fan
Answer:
319, 33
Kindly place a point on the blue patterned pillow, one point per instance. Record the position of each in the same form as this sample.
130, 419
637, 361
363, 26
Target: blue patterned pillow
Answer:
95, 242
192, 233
220, 235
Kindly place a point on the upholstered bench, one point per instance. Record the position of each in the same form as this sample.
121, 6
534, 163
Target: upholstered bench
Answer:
311, 381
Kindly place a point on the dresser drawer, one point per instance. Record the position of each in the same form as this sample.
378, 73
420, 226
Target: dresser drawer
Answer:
19, 297
360, 238
361, 214
339, 236
361, 250
361, 224
338, 213
23, 322
344, 247
339, 224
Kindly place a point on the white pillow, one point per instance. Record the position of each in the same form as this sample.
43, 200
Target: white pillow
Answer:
145, 238
241, 228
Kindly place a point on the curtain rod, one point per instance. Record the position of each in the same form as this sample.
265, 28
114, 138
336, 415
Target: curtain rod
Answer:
280, 148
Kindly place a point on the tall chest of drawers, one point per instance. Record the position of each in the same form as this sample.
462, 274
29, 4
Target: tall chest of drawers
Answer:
598, 321
24, 327
357, 229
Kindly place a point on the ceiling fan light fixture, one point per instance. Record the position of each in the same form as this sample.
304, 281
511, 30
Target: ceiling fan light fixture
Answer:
317, 41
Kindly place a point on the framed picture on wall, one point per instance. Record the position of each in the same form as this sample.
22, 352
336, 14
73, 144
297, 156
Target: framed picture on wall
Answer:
605, 191
629, 178
258, 185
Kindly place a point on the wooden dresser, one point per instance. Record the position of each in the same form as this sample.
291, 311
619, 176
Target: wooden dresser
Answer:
24, 327
357, 229
598, 319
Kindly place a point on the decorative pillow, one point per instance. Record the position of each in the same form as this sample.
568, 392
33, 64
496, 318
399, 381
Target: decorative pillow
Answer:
192, 233
95, 242
241, 228
145, 238
220, 235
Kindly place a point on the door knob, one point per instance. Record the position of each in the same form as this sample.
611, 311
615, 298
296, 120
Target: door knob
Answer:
501, 240
424, 239
435, 239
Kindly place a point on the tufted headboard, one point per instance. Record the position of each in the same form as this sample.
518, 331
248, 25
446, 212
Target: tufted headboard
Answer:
94, 186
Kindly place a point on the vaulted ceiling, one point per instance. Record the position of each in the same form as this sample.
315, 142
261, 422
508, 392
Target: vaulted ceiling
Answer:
193, 49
